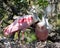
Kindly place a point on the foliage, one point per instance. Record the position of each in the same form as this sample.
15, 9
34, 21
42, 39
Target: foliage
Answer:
58, 16
42, 3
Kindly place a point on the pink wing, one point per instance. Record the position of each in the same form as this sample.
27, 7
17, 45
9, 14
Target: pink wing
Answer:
11, 28
19, 24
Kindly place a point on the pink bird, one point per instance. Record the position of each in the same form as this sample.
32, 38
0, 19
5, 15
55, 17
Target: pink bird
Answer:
25, 22
19, 24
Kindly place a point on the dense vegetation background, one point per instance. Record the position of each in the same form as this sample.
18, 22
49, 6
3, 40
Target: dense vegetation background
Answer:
11, 8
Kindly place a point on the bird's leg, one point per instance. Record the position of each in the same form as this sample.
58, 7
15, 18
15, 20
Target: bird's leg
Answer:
22, 39
22, 36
